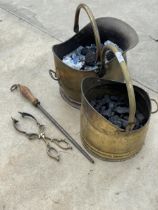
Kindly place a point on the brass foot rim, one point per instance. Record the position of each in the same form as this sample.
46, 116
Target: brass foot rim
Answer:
70, 101
108, 156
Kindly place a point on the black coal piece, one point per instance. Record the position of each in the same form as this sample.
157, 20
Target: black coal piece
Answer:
114, 98
84, 51
93, 102
90, 58
140, 117
107, 113
109, 55
116, 120
122, 110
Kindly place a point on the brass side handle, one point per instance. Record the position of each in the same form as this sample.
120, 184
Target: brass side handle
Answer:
129, 85
94, 27
156, 110
53, 75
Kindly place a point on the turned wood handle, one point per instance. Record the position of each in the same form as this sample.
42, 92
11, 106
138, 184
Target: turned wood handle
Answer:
25, 91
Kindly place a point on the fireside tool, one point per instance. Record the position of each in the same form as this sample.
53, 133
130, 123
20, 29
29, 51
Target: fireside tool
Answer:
28, 95
51, 151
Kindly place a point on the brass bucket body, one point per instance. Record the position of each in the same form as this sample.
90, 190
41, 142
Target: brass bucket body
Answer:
99, 136
97, 31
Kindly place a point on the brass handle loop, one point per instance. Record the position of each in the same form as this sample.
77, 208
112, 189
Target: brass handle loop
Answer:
130, 89
156, 110
53, 75
94, 27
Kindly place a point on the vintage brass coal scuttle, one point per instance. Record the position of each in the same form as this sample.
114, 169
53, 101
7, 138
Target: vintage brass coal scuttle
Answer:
102, 138
97, 31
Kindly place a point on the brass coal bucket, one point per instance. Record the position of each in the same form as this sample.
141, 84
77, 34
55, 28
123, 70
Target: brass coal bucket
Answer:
97, 31
99, 136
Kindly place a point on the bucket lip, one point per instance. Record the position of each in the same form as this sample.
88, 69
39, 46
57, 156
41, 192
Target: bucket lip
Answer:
134, 40
122, 22
103, 118
136, 37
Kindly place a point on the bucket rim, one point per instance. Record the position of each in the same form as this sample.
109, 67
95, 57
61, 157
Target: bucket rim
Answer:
103, 118
125, 27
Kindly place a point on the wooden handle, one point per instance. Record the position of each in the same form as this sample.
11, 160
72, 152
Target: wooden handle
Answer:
25, 91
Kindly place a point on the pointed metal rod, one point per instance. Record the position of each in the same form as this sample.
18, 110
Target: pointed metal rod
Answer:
28, 95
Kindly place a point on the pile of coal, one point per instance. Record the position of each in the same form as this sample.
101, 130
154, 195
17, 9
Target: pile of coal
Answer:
84, 58
116, 110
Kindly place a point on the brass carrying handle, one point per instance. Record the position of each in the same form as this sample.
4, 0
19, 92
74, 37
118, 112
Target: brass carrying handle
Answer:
53, 75
130, 89
94, 27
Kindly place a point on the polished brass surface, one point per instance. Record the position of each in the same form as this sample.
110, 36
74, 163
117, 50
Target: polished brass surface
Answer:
70, 80
99, 136
70, 101
113, 29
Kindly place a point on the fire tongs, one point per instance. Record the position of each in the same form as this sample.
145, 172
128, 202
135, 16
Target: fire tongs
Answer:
51, 151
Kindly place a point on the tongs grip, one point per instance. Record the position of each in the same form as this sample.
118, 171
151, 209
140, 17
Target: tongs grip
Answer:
52, 152
61, 143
